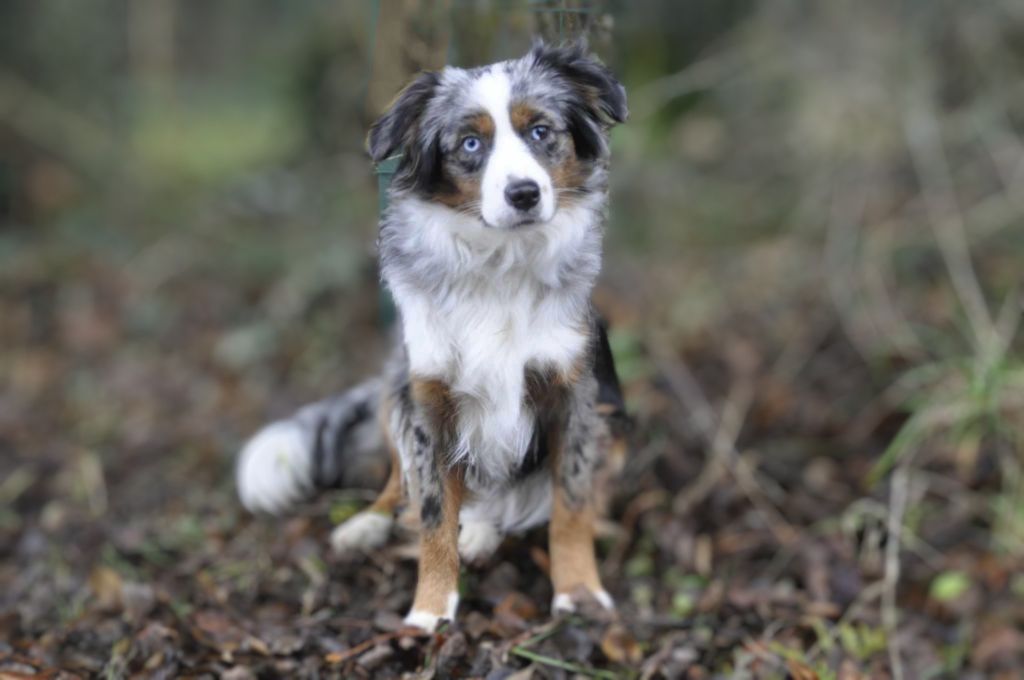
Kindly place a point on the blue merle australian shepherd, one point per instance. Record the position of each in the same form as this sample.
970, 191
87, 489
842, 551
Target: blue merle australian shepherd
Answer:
501, 409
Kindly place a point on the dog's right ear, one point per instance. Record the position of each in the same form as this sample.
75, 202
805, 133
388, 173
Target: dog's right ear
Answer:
395, 130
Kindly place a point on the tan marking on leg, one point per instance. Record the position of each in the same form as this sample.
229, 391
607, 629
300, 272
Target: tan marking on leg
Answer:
571, 541
390, 496
435, 397
438, 576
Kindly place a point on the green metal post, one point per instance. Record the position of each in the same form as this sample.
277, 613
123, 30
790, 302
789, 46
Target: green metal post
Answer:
385, 170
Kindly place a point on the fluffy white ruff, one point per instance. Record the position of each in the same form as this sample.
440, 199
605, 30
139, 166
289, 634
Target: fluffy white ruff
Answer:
506, 308
564, 603
363, 531
478, 541
274, 469
428, 621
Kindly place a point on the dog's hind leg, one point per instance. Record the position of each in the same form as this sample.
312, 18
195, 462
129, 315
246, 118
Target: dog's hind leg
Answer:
371, 527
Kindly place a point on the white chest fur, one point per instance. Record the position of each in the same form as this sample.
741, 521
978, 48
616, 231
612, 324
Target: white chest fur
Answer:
500, 305
481, 347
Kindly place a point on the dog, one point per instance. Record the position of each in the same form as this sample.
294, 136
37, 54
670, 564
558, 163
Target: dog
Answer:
501, 408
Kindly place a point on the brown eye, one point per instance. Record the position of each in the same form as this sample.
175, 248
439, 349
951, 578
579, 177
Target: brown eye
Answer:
539, 133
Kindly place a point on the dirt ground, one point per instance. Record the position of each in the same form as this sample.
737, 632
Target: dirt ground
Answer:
745, 540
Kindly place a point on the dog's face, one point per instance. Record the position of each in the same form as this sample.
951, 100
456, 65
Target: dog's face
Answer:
508, 144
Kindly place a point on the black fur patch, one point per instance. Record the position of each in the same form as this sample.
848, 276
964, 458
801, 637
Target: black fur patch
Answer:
328, 459
319, 454
602, 93
430, 512
600, 100
421, 437
609, 389
537, 454
396, 128
396, 132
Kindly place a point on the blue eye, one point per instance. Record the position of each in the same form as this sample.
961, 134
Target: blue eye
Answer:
539, 132
471, 144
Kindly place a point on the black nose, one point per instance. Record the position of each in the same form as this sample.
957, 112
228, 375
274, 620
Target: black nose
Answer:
522, 194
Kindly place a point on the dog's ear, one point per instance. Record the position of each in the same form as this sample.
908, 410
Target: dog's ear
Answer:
395, 130
598, 88
600, 99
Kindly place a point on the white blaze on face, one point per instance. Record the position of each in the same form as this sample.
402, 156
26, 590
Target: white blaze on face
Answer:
510, 159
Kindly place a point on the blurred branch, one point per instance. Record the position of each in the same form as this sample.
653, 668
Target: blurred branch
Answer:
848, 206
702, 75
724, 458
929, 160
81, 142
398, 52
898, 494
721, 440
151, 41
1008, 320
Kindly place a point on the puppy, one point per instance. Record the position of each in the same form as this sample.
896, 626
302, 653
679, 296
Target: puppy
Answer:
501, 405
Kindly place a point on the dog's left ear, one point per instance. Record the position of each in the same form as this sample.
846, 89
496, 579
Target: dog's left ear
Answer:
601, 98
395, 129
398, 131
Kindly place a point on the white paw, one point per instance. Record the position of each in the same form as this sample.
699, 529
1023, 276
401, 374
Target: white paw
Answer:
564, 603
428, 621
274, 469
478, 541
363, 531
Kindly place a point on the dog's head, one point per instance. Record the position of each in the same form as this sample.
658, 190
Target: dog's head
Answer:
508, 144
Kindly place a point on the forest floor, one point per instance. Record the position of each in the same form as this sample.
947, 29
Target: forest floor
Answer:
745, 540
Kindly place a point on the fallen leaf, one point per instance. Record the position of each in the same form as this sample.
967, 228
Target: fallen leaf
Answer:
516, 605
801, 671
107, 585
997, 647
214, 629
619, 645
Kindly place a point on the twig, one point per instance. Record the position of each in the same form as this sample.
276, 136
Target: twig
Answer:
898, 493
82, 142
947, 222
1008, 319
530, 637
722, 440
744, 475
564, 665
335, 658
701, 75
848, 207
724, 458
866, 595
637, 508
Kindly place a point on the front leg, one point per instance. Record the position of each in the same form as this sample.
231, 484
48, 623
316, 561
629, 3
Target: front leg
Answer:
575, 458
440, 489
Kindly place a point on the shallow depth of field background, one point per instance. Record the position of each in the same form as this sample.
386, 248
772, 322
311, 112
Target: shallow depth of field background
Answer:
814, 268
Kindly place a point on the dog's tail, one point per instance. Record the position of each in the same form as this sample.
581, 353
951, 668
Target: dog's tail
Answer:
331, 443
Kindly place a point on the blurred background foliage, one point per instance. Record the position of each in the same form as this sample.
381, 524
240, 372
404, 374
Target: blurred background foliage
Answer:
777, 152
831, 194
